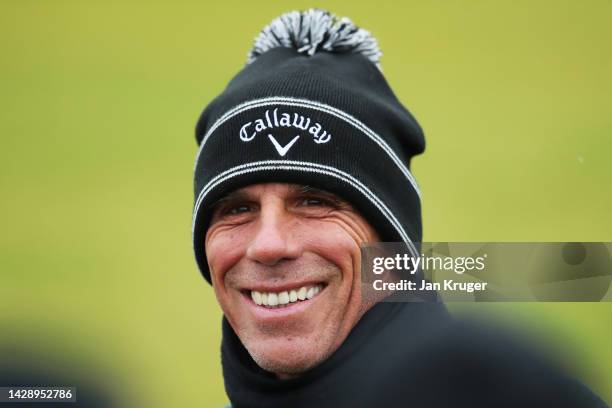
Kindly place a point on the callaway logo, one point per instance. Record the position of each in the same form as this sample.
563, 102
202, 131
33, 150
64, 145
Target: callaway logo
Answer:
249, 130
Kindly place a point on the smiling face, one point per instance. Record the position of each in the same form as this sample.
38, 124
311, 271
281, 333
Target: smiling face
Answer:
285, 267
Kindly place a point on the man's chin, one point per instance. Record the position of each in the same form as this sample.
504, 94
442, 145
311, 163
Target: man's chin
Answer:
288, 358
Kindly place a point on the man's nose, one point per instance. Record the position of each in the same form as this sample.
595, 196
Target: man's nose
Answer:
273, 240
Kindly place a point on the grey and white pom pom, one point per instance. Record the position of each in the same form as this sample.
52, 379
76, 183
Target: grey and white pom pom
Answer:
315, 30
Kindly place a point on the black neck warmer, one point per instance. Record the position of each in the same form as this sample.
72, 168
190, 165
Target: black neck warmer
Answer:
409, 355
345, 379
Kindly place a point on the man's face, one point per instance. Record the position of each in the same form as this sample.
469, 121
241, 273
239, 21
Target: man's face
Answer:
285, 266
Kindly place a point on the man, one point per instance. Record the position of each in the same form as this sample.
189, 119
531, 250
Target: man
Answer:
303, 158
286, 261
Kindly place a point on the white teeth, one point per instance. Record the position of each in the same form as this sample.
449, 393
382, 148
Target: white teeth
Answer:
310, 294
281, 299
302, 293
256, 297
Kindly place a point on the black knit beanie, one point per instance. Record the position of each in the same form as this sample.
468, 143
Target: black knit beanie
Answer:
312, 107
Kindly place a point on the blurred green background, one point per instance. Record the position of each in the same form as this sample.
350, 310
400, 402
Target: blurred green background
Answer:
98, 105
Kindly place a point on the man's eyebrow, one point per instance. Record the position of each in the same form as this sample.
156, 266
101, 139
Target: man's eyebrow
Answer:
237, 195
306, 189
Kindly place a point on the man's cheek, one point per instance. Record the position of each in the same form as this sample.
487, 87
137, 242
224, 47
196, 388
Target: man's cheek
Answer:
222, 254
334, 247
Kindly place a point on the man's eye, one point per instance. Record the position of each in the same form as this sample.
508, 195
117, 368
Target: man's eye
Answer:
237, 209
317, 202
